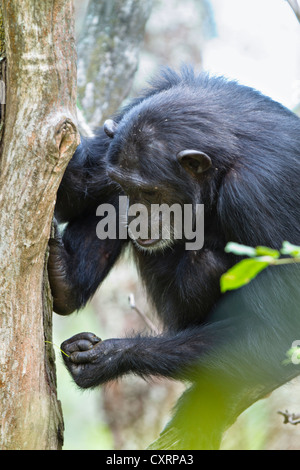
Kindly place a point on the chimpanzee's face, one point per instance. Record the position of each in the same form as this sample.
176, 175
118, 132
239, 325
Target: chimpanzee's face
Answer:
146, 195
159, 178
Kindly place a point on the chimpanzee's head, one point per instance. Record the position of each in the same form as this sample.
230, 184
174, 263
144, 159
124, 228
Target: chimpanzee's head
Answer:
160, 154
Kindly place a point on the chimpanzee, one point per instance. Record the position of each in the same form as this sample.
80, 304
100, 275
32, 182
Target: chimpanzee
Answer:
189, 139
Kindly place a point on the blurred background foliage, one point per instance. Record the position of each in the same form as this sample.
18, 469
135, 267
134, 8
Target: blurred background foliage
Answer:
255, 42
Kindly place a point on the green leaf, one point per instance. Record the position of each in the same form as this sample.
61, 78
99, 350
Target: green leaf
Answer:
265, 251
292, 354
241, 274
244, 250
238, 249
289, 249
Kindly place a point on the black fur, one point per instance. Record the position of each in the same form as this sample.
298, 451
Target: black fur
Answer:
230, 346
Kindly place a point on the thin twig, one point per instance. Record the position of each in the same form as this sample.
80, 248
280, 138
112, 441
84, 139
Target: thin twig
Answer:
277, 262
142, 315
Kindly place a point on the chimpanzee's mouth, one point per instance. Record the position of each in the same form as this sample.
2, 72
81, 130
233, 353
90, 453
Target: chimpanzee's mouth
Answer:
152, 244
148, 242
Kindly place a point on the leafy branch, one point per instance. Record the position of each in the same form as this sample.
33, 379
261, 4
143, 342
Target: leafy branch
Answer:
259, 258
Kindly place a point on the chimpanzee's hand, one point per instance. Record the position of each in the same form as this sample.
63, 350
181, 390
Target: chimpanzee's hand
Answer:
91, 361
63, 296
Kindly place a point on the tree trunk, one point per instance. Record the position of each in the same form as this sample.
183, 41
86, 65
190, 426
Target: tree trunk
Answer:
2, 79
108, 51
40, 137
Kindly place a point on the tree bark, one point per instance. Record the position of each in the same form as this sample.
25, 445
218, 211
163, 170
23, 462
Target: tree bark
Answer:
2, 79
108, 52
39, 139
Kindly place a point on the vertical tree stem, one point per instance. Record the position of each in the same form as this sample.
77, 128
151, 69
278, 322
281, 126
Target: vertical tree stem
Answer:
39, 139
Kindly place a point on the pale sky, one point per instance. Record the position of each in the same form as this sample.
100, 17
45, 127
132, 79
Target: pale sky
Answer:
258, 44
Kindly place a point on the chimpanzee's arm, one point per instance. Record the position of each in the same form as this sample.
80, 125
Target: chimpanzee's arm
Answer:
233, 360
78, 260
182, 356
236, 343
230, 365
85, 182
78, 263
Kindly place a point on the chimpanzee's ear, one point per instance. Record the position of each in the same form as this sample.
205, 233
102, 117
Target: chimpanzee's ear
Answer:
194, 162
110, 128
